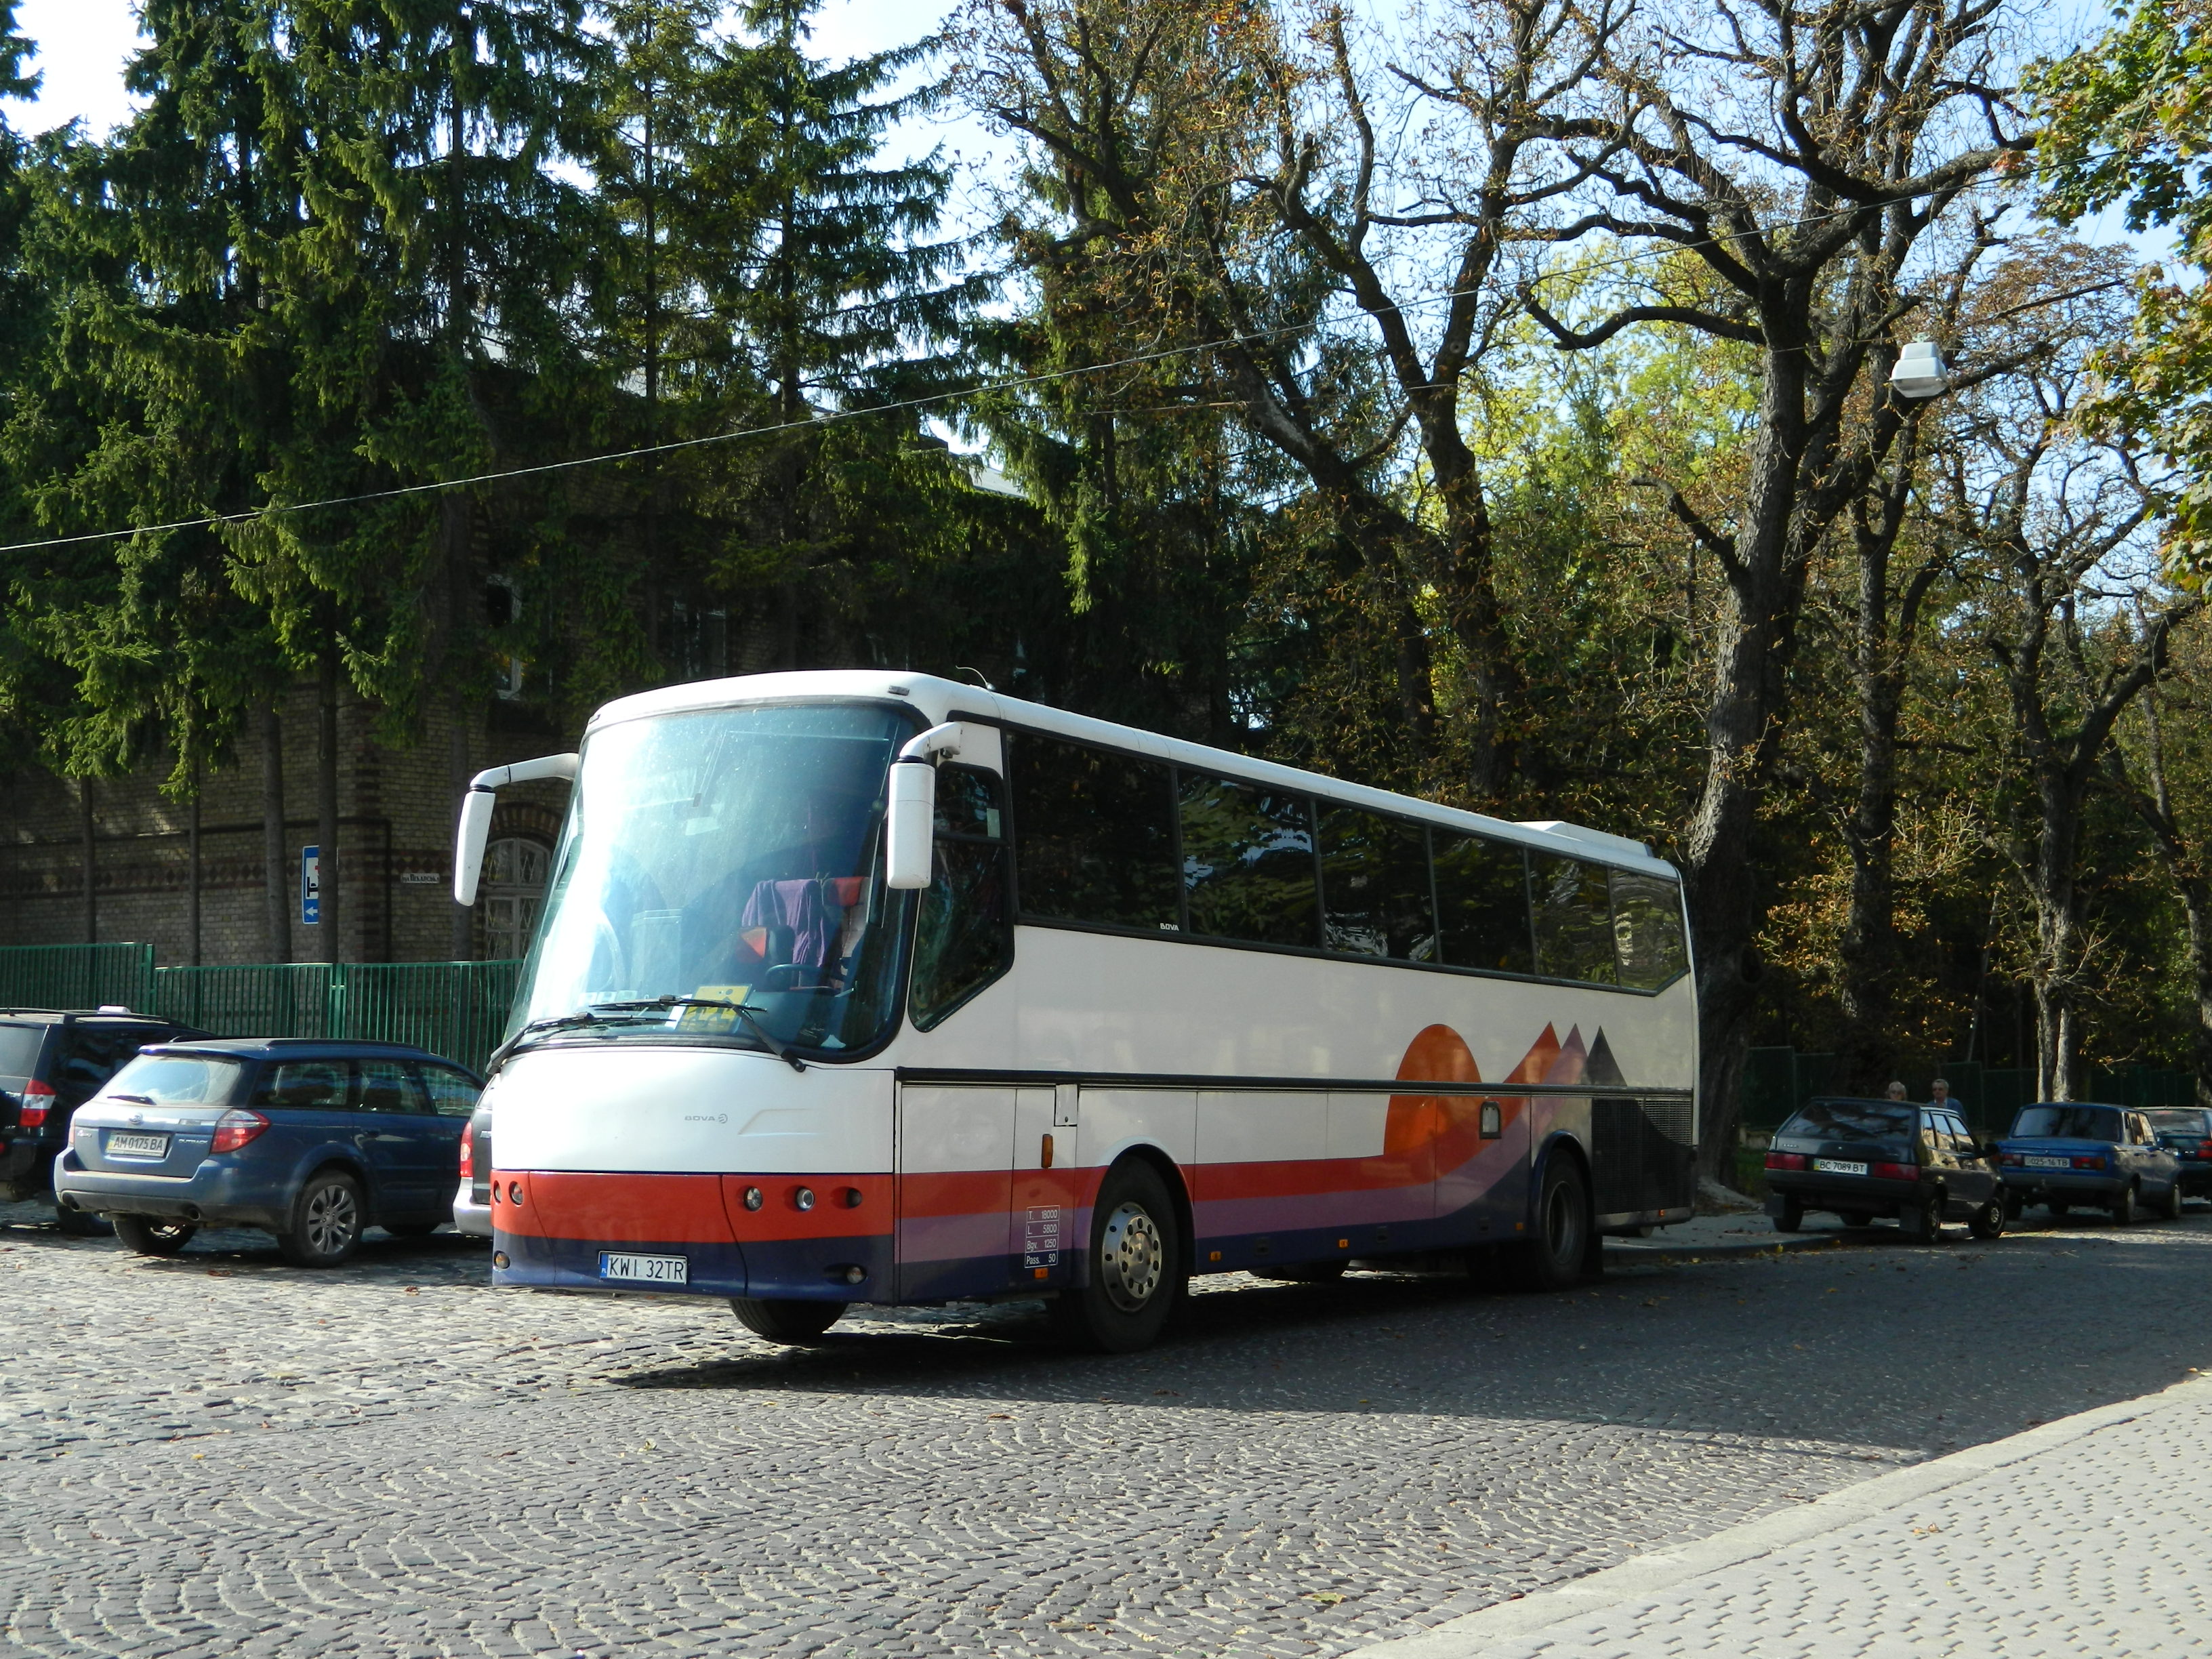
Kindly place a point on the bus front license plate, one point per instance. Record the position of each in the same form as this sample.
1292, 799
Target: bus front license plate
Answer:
645, 1269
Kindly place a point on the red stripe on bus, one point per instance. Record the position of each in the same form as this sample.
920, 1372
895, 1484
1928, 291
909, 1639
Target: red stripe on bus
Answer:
834, 1214
955, 1192
617, 1207
612, 1208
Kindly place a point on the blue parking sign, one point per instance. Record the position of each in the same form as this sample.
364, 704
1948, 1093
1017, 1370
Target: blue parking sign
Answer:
311, 887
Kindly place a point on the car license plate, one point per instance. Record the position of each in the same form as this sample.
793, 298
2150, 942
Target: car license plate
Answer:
128, 1146
645, 1269
1838, 1166
2050, 1162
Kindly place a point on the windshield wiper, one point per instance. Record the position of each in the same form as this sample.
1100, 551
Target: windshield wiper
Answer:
135, 1100
614, 1014
539, 1027
743, 1010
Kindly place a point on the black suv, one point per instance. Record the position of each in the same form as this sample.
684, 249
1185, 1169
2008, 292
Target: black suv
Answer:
52, 1061
1863, 1158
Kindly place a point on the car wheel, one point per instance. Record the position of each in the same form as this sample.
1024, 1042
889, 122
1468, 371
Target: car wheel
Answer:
2170, 1210
327, 1219
2124, 1206
1791, 1219
1557, 1258
1989, 1221
1136, 1266
794, 1324
81, 1224
154, 1235
1923, 1222
412, 1228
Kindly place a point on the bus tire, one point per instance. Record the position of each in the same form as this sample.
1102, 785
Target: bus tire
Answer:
1135, 1263
1557, 1258
794, 1324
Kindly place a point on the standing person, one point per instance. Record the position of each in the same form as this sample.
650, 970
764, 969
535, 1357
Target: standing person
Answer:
1897, 1091
1940, 1095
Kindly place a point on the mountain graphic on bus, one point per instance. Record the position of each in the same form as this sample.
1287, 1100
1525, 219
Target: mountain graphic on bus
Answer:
1440, 1055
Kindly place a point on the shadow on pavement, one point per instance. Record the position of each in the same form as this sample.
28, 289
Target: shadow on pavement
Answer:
1898, 1345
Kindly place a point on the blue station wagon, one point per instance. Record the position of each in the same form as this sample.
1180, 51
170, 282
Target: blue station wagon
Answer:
314, 1141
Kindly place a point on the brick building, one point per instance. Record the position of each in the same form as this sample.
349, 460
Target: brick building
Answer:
396, 811
125, 869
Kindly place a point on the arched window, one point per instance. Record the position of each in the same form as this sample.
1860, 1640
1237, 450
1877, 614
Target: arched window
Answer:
513, 889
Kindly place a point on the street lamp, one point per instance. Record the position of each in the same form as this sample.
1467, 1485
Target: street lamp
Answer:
1919, 372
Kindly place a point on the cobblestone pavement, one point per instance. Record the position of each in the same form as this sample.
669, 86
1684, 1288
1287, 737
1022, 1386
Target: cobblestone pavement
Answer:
219, 1454
2084, 1536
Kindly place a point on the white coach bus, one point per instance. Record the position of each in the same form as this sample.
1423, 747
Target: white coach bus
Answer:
870, 987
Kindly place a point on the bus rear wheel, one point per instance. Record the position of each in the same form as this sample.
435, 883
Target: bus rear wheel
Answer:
1558, 1257
795, 1324
1136, 1266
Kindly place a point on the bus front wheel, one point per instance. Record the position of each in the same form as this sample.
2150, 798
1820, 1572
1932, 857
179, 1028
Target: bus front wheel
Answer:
1557, 1257
1135, 1262
793, 1323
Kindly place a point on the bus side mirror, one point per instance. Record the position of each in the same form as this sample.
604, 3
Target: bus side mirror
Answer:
910, 824
477, 808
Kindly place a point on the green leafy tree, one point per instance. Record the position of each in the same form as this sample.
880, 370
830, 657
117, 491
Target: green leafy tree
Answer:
2128, 122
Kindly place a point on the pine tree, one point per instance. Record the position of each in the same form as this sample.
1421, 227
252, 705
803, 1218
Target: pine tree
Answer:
148, 392
839, 301
430, 300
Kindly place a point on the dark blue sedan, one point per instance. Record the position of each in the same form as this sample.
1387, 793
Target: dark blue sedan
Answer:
2060, 1154
314, 1141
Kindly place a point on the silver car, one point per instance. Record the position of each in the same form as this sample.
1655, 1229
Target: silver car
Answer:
472, 1199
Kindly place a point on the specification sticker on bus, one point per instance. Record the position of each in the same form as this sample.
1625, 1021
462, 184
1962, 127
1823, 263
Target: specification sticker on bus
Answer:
1041, 1238
645, 1269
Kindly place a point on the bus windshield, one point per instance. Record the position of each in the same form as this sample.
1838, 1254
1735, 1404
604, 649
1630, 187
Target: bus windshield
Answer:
724, 856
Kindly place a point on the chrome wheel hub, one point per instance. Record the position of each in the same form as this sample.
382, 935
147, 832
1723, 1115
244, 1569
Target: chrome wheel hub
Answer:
1131, 1261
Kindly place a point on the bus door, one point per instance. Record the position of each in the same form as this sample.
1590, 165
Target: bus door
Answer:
956, 1156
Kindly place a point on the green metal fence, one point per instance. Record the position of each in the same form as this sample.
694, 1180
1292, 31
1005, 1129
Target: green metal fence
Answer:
77, 976
457, 1009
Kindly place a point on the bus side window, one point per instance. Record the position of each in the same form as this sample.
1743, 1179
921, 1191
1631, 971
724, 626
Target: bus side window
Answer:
1574, 922
1647, 930
1247, 862
963, 938
1482, 901
1096, 836
1374, 884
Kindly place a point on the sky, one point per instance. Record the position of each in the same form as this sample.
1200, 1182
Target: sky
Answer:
82, 45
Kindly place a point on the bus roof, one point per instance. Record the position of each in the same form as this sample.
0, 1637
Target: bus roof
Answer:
940, 700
